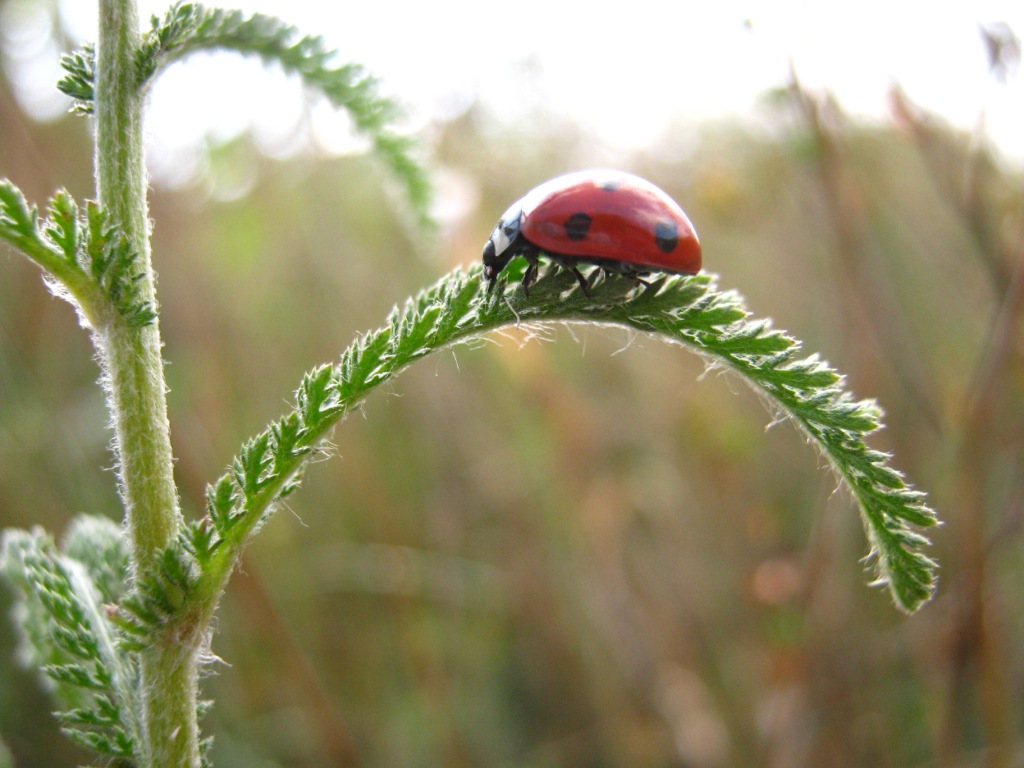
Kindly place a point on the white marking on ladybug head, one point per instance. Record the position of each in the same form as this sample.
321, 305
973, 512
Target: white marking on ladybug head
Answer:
507, 230
500, 240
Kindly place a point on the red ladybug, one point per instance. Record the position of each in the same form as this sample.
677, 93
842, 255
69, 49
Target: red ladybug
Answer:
615, 220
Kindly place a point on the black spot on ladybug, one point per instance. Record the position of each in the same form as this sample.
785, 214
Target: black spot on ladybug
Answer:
576, 226
611, 185
666, 235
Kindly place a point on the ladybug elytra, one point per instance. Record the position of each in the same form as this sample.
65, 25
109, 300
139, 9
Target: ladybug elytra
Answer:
614, 220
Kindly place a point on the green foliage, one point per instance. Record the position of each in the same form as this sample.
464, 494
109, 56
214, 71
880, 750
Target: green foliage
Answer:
99, 545
82, 251
113, 264
157, 600
19, 225
686, 310
83, 630
79, 82
189, 27
123, 661
67, 633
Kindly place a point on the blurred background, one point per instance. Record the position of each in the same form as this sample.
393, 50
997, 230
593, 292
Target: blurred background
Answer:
579, 551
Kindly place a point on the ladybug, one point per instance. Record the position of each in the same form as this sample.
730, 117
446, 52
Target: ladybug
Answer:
619, 222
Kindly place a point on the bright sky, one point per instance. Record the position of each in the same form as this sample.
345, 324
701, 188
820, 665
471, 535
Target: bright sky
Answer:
626, 75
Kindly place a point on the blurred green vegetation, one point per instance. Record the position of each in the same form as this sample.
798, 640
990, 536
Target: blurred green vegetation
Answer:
584, 552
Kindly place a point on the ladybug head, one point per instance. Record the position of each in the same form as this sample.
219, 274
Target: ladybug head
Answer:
499, 248
491, 265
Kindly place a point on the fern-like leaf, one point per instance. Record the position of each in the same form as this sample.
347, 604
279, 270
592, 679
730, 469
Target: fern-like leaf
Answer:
19, 225
114, 265
66, 634
688, 310
189, 27
79, 81
157, 598
87, 258
98, 543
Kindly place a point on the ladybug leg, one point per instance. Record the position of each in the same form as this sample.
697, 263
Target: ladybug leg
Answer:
530, 276
635, 276
570, 266
584, 283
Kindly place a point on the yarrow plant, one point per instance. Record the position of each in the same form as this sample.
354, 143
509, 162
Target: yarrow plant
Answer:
119, 618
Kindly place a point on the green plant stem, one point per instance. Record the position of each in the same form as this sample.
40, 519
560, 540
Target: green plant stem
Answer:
135, 367
136, 389
171, 691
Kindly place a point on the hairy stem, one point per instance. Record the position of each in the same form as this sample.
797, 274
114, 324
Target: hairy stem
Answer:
135, 381
134, 366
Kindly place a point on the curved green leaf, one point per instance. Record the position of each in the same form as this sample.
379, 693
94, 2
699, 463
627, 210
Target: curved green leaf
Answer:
688, 310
